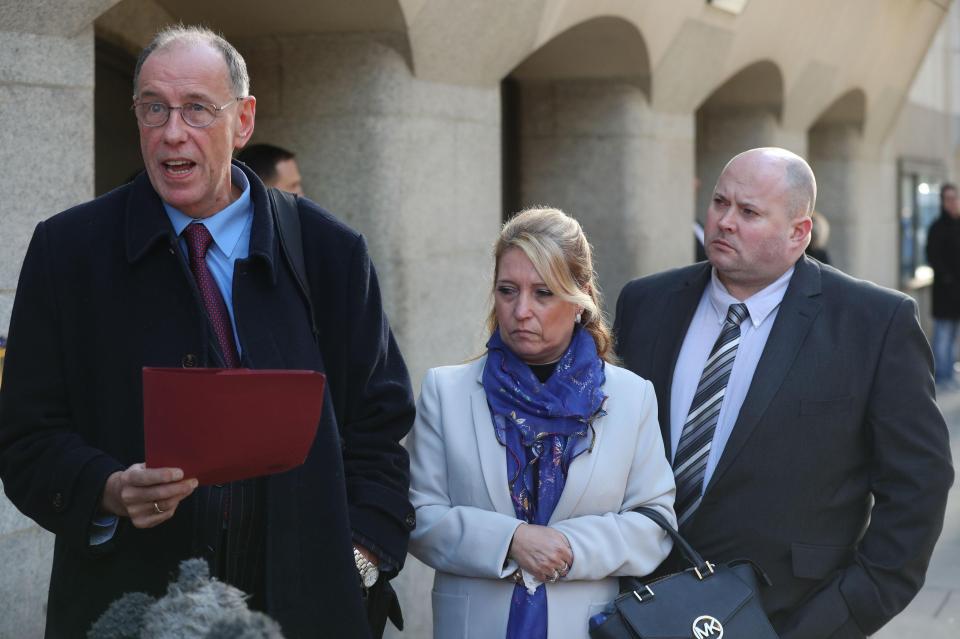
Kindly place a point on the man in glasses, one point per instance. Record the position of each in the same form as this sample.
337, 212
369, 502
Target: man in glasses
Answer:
181, 267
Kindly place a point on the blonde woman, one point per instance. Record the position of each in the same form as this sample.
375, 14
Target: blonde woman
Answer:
527, 461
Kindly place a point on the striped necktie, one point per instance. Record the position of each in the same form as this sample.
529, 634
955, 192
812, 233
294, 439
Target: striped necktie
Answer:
198, 241
693, 450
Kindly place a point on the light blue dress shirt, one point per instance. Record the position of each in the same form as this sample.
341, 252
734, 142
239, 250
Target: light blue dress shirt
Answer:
230, 229
703, 332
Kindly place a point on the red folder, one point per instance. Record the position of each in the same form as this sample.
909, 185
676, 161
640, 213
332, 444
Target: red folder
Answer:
221, 425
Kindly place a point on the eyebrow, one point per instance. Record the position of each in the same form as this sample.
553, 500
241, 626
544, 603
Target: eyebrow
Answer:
193, 96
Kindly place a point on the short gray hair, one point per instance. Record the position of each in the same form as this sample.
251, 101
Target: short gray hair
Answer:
237, 67
802, 185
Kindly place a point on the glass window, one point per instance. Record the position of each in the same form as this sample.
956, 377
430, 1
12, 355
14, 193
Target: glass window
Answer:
919, 197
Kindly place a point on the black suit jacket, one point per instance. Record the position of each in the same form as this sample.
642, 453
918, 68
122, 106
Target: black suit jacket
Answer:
836, 474
104, 292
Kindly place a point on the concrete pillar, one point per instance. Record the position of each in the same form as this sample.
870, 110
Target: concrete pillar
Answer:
724, 133
596, 149
413, 165
857, 193
46, 145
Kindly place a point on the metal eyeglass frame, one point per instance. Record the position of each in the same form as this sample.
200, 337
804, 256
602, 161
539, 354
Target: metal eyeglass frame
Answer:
216, 112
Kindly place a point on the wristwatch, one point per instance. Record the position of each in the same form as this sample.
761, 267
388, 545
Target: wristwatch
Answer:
369, 573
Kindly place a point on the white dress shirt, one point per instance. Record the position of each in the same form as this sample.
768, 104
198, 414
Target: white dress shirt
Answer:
703, 332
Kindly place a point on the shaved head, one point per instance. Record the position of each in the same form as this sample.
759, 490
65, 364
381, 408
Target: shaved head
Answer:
799, 181
758, 223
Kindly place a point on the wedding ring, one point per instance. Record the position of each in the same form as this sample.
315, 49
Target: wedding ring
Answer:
564, 570
556, 575
156, 507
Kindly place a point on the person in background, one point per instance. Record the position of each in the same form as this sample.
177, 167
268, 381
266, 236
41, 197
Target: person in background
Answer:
526, 462
275, 166
943, 256
180, 269
797, 407
819, 236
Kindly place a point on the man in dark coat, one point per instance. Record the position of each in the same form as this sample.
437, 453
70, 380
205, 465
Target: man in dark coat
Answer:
943, 255
797, 408
123, 282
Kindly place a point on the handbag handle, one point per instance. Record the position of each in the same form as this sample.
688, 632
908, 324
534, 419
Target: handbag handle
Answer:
701, 567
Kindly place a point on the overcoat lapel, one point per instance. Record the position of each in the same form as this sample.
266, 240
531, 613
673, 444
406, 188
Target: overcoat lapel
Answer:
799, 308
680, 306
579, 474
493, 456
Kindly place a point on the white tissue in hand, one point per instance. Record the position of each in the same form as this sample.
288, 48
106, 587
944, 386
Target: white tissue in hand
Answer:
531, 582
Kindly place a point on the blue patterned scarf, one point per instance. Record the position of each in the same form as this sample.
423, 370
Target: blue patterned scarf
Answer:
544, 427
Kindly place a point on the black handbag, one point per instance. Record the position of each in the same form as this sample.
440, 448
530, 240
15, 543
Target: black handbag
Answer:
705, 601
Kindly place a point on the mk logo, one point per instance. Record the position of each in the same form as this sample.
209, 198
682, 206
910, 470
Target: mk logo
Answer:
706, 626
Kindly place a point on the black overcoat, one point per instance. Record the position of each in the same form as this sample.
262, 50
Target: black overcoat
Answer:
104, 292
943, 255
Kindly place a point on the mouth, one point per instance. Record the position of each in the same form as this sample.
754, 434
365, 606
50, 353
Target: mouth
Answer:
178, 168
723, 244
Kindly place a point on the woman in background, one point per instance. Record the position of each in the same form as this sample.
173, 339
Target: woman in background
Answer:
526, 463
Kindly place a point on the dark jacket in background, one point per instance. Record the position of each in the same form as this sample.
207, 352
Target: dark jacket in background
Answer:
943, 255
104, 292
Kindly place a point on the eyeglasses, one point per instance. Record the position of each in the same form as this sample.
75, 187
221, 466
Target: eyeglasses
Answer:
195, 114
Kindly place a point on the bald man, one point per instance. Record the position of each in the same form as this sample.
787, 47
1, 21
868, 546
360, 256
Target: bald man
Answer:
797, 409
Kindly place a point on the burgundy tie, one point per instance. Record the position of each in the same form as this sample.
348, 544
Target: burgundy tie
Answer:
198, 241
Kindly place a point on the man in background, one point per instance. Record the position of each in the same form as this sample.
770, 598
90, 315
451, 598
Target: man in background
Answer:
943, 255
275, 166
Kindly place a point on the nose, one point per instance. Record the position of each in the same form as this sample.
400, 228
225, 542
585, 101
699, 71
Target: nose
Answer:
521, 310
726, 220
174, 129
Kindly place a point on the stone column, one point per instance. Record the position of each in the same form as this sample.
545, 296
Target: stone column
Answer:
414, 166
46, 105
856, 191
596, 149
721, 134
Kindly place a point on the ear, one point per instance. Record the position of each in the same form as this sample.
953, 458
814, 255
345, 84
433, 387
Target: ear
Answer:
800, 228
248, 112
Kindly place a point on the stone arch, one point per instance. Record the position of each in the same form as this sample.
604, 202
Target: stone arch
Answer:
835, 143
741, 113
576, 124
601, 48
850, 109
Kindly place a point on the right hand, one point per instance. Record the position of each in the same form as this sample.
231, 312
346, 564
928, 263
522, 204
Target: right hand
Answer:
541, 551
138, 492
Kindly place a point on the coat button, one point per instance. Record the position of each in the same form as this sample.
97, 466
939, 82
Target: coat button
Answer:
189, 360
57, 501
411, 521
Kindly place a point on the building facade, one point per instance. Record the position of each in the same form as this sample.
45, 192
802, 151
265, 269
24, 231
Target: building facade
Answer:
423, 123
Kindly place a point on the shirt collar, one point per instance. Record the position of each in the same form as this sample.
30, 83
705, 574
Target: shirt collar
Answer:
760, 304
226, 225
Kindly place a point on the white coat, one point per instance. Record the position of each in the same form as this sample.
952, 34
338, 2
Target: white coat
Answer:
466, 520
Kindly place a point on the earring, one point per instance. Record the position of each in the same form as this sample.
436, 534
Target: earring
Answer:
579, 315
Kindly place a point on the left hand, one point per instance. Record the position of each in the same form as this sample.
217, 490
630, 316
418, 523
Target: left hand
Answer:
543, 552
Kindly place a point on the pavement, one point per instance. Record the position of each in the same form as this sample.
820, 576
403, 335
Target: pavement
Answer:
935, 612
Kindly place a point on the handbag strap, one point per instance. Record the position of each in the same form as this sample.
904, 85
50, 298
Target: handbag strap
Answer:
286, 217
702, 568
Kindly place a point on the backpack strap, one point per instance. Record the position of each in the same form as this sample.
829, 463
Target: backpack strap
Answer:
286, 218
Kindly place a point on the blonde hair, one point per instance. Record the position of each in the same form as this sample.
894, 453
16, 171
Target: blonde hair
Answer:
556, 245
